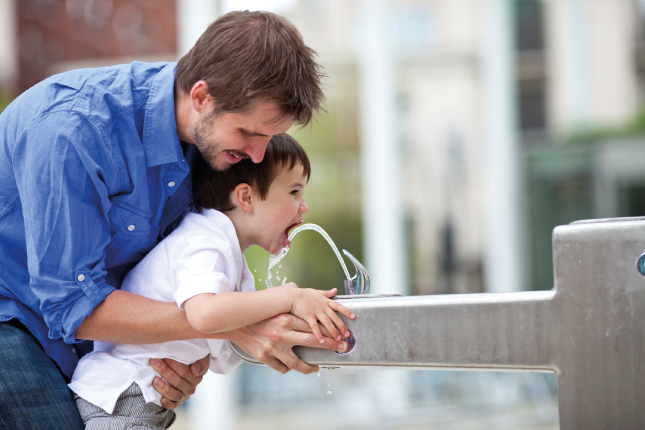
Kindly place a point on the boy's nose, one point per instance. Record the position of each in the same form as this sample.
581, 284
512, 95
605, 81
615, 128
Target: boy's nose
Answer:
303, 207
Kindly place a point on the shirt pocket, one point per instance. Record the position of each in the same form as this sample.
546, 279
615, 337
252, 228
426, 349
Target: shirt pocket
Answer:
131, 234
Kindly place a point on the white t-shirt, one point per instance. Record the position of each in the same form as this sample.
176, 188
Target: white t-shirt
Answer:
202, 255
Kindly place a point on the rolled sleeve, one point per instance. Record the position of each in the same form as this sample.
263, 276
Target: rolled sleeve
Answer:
60, 170
201, 269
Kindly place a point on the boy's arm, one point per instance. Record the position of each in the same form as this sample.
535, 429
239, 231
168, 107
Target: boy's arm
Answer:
225, 311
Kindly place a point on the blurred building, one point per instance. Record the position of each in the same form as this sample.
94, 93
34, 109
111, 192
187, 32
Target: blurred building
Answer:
53, 36
580, 79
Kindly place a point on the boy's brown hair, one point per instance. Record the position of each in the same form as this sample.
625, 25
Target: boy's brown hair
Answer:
247, 56
212, 188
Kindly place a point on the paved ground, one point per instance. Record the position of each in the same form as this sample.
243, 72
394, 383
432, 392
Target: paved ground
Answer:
445, 418
379, 399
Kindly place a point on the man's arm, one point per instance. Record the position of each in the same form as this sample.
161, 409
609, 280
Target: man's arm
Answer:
125, 317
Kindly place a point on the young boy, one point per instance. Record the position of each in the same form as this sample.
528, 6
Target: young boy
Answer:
201, 267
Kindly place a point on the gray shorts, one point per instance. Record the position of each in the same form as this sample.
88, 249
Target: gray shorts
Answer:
131, 412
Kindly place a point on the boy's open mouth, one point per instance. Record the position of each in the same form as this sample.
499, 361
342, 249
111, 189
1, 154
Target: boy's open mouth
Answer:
286, 233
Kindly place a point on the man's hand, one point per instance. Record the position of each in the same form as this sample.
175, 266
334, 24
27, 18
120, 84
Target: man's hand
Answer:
179, 380
271, 341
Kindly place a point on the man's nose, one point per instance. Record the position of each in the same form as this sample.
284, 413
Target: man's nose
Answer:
256, 150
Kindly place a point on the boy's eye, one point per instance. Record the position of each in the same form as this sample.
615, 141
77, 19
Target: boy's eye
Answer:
294, 192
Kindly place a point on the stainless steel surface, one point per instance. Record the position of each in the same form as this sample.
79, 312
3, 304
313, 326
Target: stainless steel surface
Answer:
360, 283
365, 296
589, 329
601, 220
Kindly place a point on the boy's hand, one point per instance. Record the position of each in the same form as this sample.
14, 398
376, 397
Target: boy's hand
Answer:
315, 306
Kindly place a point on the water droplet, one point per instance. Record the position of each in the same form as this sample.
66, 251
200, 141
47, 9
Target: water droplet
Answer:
255, 270
328, 392
284, 281
280, 266
319, 374
260, 279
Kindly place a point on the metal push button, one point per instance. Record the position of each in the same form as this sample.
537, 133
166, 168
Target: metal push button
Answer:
640, 264
351, 344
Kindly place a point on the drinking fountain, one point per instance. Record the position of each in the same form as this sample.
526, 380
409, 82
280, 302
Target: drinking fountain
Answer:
589, 329
360, 283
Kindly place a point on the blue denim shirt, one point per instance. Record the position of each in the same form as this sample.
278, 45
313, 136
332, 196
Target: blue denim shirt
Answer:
93, 175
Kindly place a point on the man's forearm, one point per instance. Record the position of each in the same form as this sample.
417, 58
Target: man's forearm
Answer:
125, 317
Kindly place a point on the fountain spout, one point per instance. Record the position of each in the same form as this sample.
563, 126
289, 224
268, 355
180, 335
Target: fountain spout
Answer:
360, 283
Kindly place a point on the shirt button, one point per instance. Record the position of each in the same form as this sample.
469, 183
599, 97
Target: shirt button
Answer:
131, 227
171, 183
81, 278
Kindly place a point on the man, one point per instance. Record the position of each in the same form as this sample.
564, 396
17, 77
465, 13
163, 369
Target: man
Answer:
95, 166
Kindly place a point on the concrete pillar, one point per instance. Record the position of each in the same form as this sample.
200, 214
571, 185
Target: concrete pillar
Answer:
383, 219
568, 66
502, 244
593, 80
193, 17
213, 406
576, 71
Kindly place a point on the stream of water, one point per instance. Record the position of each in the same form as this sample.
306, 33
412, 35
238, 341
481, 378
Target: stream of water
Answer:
275, 259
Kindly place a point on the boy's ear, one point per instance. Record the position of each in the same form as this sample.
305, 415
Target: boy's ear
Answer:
243, 197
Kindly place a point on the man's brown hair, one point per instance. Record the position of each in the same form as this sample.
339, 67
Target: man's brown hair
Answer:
247, 56
212, 188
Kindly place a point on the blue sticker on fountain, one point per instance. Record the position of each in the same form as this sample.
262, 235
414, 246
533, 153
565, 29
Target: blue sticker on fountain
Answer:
640, 264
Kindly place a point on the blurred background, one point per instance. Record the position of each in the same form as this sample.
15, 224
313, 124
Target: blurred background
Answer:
458, 134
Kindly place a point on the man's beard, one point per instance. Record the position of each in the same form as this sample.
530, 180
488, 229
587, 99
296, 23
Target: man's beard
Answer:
209, 151
201, 132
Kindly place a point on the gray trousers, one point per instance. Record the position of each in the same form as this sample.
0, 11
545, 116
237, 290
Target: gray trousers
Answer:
130, 413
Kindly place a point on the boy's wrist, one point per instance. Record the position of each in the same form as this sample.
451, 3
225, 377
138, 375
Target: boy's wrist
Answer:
285, 295
293, 295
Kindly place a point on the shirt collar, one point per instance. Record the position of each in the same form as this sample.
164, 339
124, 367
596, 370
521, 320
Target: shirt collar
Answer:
160, 140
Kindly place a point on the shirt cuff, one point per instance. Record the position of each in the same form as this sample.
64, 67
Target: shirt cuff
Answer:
78, 308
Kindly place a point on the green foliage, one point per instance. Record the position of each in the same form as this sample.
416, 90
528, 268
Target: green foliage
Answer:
635, 127
4, 101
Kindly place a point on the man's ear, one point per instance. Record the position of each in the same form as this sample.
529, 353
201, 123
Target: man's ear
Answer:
244, 197
200, 98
